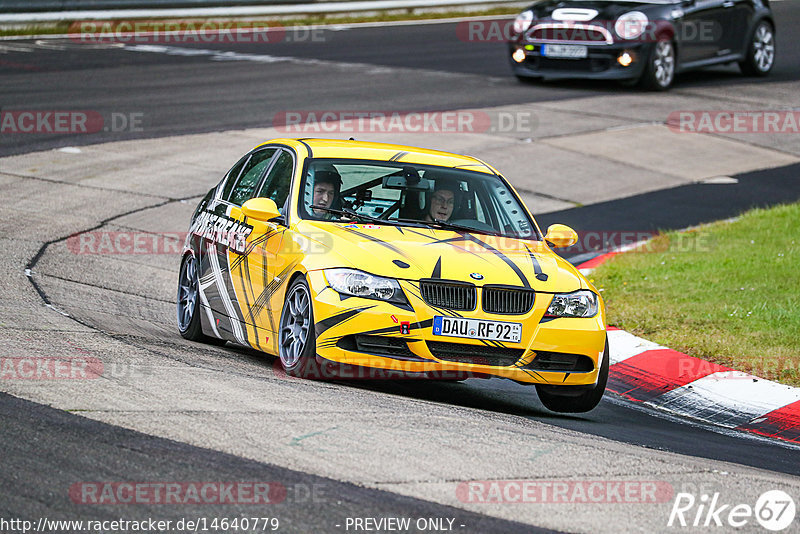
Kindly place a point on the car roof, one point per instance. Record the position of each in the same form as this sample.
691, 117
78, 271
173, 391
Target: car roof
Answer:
351, 149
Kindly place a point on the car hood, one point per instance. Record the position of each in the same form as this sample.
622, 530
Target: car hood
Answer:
607, 11
410, 253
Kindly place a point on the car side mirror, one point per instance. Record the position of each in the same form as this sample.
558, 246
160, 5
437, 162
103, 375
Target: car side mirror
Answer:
262, 209
561, 236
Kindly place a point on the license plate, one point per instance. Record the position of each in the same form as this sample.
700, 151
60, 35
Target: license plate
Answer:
477, 329
565, 51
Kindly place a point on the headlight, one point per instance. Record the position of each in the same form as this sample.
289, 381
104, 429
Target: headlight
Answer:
523, 21
631, 25
361, 284
578, 304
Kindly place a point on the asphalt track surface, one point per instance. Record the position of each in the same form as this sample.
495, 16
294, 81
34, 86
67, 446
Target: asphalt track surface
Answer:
182, 94
303, 502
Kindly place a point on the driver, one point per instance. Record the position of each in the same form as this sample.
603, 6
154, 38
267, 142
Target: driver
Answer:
327, 185
442, 201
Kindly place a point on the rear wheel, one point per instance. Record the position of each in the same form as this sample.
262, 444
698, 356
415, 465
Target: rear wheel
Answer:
660, 69
761, 52
188, 304
297, 344
575, 399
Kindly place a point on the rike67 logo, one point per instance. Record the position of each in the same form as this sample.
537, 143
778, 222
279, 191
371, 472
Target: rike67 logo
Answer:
774, 510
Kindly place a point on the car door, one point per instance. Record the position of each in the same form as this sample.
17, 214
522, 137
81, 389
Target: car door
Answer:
258, 271
738, 15
700, 30
223, 237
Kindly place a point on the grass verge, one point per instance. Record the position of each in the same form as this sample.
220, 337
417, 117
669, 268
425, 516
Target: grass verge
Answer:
65, 27
727, 292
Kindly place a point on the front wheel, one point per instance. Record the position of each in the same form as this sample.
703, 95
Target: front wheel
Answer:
297, 342
660, 69
761, 51
569, 399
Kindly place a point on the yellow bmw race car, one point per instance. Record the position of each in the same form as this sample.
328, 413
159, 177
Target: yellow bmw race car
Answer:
340, 255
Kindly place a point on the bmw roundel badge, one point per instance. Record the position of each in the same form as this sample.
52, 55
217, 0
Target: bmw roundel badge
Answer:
476, 276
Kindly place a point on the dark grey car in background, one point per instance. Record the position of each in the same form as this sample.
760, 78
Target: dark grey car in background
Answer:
640, 41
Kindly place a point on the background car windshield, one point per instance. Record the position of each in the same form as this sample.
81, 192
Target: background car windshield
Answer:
407, 194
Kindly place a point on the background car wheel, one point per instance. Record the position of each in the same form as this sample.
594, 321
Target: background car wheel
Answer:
188, 304
632, 82
565, 399
297, 345
530, 80
660, 69
761, 52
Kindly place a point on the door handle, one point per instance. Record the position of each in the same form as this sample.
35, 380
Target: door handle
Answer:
728, 3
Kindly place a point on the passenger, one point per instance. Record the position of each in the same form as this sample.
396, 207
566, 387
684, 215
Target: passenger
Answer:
442, 201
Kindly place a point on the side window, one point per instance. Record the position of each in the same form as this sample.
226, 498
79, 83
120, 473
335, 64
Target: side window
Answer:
232, 176
278, 181
251, 176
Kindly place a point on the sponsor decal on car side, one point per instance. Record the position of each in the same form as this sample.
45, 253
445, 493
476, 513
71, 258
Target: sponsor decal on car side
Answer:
222, 230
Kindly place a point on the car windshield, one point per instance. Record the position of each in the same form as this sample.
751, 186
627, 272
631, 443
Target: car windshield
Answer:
412, 195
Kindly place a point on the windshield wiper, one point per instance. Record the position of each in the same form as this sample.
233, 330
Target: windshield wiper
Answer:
353, 214
463, 227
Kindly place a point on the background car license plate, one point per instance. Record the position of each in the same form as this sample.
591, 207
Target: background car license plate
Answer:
477, 329
565, 51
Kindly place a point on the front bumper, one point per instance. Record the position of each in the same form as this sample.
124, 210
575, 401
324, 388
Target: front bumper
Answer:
367, 333
601, 63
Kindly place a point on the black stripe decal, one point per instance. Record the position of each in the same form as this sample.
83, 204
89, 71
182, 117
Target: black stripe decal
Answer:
392, 329
339, 318
379, 241
505, 258
536, 267
437, 270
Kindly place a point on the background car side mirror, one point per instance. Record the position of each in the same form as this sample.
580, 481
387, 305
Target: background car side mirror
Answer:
561, 236
262, 209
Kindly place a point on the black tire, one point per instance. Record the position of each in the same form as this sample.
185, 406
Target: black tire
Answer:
528, 80
659, 72
760, 51
575, 399
188, 304
630, 82
297, 340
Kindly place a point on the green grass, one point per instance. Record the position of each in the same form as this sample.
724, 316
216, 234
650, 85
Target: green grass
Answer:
727, 292
310, 20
